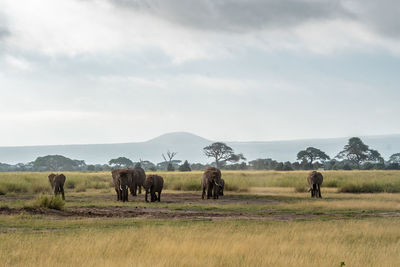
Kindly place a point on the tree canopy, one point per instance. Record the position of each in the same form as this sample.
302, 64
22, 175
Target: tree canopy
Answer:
395, 158
58, 163
121, 162
358, 152
185, 167
222, 153
312, 154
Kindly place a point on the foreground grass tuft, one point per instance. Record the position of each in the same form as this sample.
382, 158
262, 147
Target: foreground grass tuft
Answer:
52, 202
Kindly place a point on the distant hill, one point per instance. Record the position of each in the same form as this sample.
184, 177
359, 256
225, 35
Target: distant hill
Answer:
189, 147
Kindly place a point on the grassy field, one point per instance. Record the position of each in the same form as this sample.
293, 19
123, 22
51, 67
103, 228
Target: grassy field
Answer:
263, 220
238, 181
34, 241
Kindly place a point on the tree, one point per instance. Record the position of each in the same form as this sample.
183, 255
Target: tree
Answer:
170, 156
58, 163
121, 162
222, 153
185, 167
312, 154
395, 158
357, 152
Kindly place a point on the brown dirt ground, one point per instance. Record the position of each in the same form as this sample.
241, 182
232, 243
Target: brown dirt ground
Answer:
165, 213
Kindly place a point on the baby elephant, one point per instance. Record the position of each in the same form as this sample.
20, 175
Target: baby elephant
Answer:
57, 183
221, 187
153, 184
315, 180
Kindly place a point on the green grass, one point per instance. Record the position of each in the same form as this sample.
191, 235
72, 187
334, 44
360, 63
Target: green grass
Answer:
236, 181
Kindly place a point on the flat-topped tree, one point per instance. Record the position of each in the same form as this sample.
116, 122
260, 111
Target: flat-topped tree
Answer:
222, 153
358, 152
395, 158
121, 162
312, 154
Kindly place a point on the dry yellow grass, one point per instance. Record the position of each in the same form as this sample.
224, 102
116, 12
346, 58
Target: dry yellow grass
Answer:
375, 242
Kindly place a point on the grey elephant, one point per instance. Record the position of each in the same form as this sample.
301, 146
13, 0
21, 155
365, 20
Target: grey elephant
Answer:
153, 184
51, 180
57, 183
136, 180
221, 187
210, 181
121, 183
315, 180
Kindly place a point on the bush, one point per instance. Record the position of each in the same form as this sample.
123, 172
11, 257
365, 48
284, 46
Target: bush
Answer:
330, 183
362, 188
80, 188
40, 188
300, 188
55, 203
2, 190
14, 188
70, 184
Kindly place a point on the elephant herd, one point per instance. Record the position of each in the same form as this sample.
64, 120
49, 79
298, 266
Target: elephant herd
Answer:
133, 179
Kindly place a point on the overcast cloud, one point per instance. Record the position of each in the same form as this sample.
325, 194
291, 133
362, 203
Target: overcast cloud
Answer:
100, 71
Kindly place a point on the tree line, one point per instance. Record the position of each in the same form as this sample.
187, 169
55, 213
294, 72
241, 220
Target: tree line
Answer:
355, 155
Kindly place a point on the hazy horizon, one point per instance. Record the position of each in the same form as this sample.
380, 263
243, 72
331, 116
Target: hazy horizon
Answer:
118, 71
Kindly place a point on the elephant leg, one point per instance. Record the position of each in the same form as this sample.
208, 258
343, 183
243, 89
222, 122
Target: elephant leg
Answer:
153, 195
204, 193
62, 192
159, 196
140, 189
145, 197
215, 192
319, 191
209, 191
133, 191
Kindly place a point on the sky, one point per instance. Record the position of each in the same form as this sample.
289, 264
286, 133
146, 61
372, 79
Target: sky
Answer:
110, 71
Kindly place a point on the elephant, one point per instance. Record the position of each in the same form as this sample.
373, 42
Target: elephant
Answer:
121, 183
315, 180
211, 180
221, 187
51, 180
136, 179
57, 183
153, 184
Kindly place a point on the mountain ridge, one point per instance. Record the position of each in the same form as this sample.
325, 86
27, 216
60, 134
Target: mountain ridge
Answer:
189, 147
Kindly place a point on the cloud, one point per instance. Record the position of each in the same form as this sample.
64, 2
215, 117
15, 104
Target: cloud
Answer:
381, 16
18, 63
238, 15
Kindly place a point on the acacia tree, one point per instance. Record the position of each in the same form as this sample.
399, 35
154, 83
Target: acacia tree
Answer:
170, 156
121, 162
358, 152
222, 153
312, 154
395, 158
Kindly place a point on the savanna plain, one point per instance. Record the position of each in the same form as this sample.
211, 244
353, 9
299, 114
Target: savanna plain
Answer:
265, 218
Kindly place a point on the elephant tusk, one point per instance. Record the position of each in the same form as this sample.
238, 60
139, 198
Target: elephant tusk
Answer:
216, 183
120, 187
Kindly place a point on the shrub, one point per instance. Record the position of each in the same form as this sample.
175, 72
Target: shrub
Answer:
14, 188
55, 203
300, 188
2, 190
330, 183
80, 188
361, 188
70, 184
40, 188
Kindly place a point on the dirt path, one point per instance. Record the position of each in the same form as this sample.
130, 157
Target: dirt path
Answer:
186, 199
